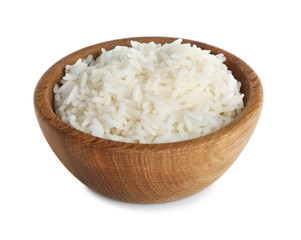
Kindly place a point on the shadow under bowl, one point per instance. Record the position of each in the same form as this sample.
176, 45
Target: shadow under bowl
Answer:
147, 173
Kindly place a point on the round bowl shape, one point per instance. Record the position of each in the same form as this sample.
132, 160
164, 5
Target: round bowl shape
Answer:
147, 173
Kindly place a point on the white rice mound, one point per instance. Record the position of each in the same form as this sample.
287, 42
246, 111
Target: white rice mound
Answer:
149, 93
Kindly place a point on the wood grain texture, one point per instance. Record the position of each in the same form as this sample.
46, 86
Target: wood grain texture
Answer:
147, 173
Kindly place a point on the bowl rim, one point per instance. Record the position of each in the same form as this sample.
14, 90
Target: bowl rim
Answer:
44, 106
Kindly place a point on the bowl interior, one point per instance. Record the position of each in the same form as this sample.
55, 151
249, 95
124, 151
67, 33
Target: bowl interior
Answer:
241, 71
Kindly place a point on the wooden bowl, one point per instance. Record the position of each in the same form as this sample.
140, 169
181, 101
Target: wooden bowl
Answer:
147, 173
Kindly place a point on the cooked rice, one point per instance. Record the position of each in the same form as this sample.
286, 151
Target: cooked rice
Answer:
149, 93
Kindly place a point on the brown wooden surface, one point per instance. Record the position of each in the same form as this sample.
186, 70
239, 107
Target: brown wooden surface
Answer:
147, 173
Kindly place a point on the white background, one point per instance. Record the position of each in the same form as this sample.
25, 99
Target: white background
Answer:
259, 197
